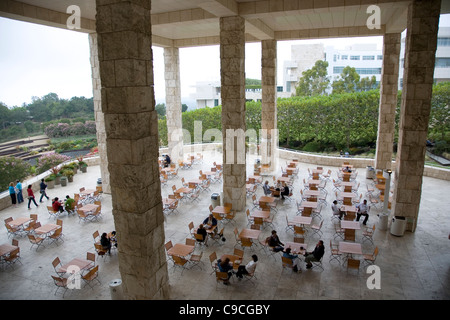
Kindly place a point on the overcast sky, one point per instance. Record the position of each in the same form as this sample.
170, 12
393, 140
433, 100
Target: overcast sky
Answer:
36, 60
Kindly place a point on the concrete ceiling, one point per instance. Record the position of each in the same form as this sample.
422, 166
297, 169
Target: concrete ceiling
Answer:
184, 23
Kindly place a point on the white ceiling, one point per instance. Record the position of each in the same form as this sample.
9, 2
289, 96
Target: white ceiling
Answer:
179, 20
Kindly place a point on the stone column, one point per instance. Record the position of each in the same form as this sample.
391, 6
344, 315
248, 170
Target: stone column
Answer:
388, 101
232, 73
420, 52
99, 117
173, 103
126, 72
269, 136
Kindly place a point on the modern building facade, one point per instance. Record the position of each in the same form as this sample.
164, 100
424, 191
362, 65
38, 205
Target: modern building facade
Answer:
121, 36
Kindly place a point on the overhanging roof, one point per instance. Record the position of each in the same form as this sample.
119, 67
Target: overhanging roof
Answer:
184, 23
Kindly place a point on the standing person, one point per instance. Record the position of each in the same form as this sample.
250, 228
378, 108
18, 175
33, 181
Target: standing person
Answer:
43, 186
31, 197
316, 255
249, 268
19, 192
12, 194
363, 210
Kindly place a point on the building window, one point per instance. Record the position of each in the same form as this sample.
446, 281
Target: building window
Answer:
380, 57
442, 63
355, 57
444, 42
368, 57
338, 70
344, 57
216, 102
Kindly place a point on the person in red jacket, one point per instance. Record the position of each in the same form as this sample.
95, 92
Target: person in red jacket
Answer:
31, 196
57, 205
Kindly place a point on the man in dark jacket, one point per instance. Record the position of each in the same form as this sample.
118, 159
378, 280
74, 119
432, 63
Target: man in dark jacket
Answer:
316, 255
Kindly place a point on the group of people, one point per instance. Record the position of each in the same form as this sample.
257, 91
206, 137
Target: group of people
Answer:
276, 191
226, 265
107, 241
274, 242
16, 193
362, 209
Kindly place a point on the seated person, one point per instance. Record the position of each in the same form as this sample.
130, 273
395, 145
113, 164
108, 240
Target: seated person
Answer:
316, 255
347, 169
249, 268
225, 266
69, 204
275, 192
57, 205
167, 161
105, 242
266, 188
284, 191
113, 238
336, 210
295, 260
210, 223
363, 210
274, 242
202, 231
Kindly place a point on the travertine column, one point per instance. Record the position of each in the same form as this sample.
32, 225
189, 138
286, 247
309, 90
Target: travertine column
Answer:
388, 101
420, 51
98, 113
173, 103
126, 71
232, 73
269, 136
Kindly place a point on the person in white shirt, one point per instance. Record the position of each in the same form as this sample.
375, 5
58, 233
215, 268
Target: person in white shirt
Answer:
249, 268
363, 210
336, 210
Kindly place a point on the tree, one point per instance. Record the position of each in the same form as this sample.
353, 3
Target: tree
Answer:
184, 107
314, 81
348, 82
161, 110
366, 84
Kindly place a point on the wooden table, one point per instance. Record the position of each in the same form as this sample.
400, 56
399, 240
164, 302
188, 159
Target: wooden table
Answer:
317, 171
301, 220
260, 214
168, 201
347, 183
348, 208
345, 224
347, 195
221, 210
283, 179
350, 248
296, 247
88, 207
250, 234
19, 222
314, 182
181, 250
311, 193
6, 249
82, 264
47, 229
309, 204
266, 199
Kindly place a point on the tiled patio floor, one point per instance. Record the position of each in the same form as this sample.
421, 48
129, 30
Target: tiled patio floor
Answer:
414, 266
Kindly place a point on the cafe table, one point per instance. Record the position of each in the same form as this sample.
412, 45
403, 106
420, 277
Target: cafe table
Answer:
88, 207
348, 208
6, 249
168, 201
283, 179
260, 214
301, 220
347, 195
181, 250
221, 210
266, 199
354, 225
19, 222
350, 248
309, 204
250, 234
75, 264
47, 229
296, 247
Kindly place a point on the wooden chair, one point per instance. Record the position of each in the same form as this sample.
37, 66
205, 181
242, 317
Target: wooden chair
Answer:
353, 264
195, 260
368, 234
168, 245
100, 251
317, 228
335, 254
91, 257
287, 263
190, 242
91, 276
299, 231
192, 229
56, 263
258, 221
56, 236
221, 277
213, 261
13, 257
180, 262
370, 258
349, 235
60, 283
35, 241
96, 236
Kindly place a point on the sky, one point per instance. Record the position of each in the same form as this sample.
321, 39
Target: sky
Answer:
36, 60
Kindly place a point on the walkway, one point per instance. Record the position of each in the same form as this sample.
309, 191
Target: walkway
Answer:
415, 266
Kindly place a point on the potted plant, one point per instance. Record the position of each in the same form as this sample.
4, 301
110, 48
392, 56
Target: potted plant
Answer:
82, 165
68, 173
63, 181
50, 181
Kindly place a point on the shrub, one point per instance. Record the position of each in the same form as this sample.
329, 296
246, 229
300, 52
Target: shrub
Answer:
50, 160
12, 169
